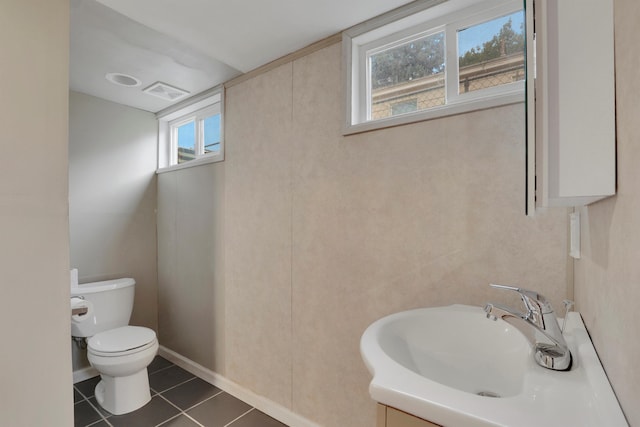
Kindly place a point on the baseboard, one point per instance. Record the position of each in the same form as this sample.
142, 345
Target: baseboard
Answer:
84, 374
261, 403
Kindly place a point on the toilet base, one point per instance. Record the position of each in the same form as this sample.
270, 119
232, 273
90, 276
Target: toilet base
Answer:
121, 395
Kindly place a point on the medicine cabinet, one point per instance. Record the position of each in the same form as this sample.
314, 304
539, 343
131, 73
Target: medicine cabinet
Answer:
570, 102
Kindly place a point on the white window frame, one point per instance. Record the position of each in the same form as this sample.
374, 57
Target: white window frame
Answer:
198, 118
194, 109
420, 19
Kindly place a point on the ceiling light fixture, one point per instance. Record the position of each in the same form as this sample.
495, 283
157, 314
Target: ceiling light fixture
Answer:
123, 79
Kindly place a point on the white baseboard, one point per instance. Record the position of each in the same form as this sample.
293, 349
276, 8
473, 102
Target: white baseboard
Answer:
261, 403
84, 374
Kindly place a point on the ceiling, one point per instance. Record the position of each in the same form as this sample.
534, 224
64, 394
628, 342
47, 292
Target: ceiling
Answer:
195, 45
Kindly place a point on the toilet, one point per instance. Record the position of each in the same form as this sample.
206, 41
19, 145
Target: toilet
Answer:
120, 353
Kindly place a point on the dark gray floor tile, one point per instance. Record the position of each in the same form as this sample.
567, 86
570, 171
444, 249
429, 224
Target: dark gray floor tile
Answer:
256, 418
190, 393
219, 410
77, 397
99, 408
181, 421
150, 415
84, 414
102, 423
167, 378
87, 387
158, 363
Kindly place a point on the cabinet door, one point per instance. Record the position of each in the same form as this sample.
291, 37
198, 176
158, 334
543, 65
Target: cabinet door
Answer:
396, 418
574, 102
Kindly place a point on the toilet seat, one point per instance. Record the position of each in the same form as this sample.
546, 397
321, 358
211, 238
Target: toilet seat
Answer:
122, 341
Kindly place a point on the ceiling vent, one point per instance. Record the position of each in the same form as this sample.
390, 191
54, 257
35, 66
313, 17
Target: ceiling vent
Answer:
165, 91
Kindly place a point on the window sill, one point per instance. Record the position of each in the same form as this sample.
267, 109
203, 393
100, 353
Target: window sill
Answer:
191, 163
468, 106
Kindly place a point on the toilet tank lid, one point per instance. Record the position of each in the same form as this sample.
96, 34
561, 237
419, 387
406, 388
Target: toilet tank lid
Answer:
106, 285
121, 339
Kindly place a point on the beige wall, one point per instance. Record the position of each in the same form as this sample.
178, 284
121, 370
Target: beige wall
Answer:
607, 278
35, 361
191, 263
325, 233
112, 199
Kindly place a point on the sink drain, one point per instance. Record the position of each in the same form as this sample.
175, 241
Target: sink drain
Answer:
486, 393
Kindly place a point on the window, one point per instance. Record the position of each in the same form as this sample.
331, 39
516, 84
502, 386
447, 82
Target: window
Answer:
195, 136
407, 76
434, 58
191, 133
491, 54
184, 138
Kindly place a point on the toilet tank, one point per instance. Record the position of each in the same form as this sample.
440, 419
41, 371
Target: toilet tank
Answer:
109, 305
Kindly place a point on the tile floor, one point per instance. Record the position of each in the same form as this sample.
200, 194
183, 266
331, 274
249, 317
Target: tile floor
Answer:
178, 399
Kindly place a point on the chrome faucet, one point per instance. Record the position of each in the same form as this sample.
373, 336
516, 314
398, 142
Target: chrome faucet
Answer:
552, 353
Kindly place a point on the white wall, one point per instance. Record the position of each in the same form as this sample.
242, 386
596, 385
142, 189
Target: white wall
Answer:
35, 361
112, 197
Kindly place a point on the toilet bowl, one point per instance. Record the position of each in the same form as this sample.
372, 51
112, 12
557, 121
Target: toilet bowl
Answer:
121, 356
120, 353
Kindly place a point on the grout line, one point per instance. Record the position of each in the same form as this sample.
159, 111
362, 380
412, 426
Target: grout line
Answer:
178, 415
103, 418
170, 403
193, 419
202, 401
236, 419
169, 419
192, 406
173, 386
81, 394
162, 369
184, 411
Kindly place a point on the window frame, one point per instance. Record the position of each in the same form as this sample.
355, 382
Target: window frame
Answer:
195, 109
420, 19
366, 51
173, 137
197, 118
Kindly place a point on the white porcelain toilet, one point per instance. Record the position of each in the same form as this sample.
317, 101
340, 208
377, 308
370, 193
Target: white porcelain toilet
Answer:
120, 353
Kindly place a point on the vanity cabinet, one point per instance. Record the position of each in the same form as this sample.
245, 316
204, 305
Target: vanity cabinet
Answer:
391, 417
570, 102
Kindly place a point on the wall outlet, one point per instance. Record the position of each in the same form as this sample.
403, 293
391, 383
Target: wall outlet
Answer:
574, 235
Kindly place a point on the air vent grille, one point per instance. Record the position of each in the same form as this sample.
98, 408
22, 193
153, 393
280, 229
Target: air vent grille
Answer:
165, 91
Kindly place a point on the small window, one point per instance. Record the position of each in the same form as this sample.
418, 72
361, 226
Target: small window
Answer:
191, 134
491, 54
401, 74
185, 140
434, 58
211, 132
195, 136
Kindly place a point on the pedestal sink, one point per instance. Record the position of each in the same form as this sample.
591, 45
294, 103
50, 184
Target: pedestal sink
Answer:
453, 366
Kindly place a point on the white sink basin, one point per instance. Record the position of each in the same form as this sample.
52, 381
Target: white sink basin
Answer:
452, 366
457, 347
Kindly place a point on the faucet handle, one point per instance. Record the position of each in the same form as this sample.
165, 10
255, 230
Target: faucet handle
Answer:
533, 301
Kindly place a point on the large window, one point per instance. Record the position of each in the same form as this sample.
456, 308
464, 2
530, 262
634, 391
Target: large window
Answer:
434, 58
191, 133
